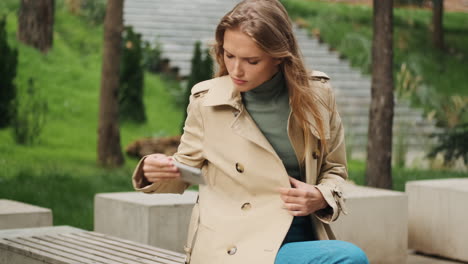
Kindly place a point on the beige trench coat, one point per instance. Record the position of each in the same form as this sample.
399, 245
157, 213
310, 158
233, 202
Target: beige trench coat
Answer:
239, 216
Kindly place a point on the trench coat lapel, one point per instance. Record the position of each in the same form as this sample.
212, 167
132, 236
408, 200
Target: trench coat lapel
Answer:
222, 93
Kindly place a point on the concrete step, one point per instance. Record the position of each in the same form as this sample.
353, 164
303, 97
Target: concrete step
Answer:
178, 24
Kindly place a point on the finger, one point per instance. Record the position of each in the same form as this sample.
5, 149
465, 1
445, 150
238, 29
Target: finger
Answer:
292, 206
293, 192
162, 175
295, 182
298, 213
157, 160
152, 168
293, 199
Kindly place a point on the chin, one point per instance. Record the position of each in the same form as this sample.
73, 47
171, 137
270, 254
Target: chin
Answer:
243, 88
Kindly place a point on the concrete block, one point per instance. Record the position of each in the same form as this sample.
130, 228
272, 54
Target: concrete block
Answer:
376, 222
437, 217
159, 220
15, 214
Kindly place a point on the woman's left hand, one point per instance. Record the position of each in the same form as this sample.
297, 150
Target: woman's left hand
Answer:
303, 199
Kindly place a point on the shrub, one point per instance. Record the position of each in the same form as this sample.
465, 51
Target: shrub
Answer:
201, 70
131, 106
9, 61
30, 111
93, 10
152, 57
407, 82
453, 143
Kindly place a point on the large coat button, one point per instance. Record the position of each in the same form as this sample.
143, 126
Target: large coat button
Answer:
239, 167
232, 250
246, 206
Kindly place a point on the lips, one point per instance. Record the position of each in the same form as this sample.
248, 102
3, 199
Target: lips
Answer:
238, 82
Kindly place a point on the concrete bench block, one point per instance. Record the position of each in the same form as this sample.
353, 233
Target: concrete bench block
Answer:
377, 222
66, 245
15, 214
159, 220
438, 217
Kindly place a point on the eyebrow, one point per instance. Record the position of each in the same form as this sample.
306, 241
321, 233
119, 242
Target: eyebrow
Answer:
247, 58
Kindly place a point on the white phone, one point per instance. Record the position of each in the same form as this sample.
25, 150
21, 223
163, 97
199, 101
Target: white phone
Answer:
189, 174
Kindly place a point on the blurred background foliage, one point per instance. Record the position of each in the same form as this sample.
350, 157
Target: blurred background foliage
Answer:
58, 169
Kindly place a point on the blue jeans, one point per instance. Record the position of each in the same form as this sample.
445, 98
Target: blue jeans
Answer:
321, 252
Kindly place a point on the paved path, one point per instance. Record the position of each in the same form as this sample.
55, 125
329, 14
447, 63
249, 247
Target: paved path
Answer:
177, 24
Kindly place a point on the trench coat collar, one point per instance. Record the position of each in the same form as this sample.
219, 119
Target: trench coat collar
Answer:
222, 92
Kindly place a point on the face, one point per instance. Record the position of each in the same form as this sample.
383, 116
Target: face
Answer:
247, 65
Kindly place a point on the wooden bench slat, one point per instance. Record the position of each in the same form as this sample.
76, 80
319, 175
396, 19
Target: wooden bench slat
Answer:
35, 251
165, 251
127, 254
136, 247
138, 255
89, 257
96, 251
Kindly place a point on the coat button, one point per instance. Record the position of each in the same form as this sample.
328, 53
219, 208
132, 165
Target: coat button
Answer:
239, 167
246, 206
232, 250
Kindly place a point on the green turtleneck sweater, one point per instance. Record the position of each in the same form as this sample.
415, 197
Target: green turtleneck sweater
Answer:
268, 104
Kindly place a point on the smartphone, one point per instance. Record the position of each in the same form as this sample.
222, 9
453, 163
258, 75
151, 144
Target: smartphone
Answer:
189, 174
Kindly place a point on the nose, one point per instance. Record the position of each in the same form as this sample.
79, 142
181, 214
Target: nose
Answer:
237, 70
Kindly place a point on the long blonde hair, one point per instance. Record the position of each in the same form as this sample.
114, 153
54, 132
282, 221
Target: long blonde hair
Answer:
268, 24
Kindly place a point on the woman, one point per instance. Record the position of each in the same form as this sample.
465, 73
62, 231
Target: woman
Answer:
270, 143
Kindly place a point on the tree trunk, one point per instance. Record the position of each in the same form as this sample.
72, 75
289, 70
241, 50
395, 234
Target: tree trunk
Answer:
437, 23
36, 23
109, 150
379, 146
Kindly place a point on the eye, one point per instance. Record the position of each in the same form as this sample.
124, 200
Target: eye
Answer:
253, 62
229, 56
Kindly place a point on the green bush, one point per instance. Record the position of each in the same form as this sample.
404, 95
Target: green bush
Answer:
201, 70
152, 57
131, 106
452, 143
8, 64
93, 10
30, 111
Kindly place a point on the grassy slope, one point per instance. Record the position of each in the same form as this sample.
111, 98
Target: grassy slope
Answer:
60, 171
348, 28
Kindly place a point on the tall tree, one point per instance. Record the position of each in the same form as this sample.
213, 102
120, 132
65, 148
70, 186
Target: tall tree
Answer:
437, 23
109, 150
379, 146
36, 23
9, 61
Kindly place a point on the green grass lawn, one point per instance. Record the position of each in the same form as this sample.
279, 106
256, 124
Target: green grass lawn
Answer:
348, 29
60, 171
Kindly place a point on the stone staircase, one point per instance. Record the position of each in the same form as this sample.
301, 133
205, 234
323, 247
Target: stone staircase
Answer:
177, 24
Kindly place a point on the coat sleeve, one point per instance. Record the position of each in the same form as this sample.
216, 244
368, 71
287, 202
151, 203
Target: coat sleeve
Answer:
333, 170
189, 152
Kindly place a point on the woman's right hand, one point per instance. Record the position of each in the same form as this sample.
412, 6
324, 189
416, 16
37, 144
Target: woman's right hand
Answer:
159, 166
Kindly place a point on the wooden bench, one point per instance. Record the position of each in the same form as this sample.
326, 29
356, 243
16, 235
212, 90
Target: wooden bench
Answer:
64, 245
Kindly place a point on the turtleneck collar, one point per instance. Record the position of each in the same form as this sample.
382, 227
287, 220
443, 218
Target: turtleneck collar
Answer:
268, 90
